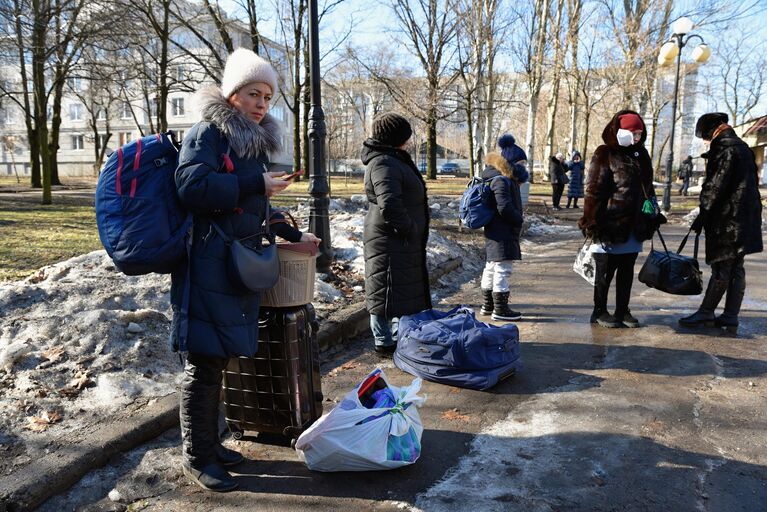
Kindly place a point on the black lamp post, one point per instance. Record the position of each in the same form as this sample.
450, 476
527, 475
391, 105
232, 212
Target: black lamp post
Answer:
670, 50
319, 223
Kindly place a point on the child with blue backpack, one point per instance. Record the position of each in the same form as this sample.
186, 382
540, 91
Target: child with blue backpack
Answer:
505, 172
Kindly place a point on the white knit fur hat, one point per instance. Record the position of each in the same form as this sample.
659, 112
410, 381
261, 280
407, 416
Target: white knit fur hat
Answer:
242, 67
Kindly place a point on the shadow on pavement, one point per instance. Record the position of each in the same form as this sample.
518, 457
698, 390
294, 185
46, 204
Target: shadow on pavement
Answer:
571, 471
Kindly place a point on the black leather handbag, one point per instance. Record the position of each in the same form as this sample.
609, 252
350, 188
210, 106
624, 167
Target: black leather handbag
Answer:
671, 272
252, 265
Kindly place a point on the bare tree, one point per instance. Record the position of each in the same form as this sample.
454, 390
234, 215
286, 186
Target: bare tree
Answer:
556, 66
428, 28
741, 74
530, 51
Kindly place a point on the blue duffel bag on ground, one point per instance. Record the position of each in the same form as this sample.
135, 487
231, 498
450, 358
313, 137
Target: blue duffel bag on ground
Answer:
453, 347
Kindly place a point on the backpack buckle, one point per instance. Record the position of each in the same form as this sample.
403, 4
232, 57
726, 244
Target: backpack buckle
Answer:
159, 162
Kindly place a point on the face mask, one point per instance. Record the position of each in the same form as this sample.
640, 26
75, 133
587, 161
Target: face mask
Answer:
625, 137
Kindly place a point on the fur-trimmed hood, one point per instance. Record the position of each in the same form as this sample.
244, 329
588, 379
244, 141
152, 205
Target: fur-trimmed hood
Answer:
247, 138
498, 162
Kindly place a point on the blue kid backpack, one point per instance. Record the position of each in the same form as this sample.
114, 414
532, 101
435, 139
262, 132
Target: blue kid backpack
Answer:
454, 348
141, 221
475, 210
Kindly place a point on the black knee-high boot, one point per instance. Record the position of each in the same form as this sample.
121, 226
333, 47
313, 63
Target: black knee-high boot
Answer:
200, 390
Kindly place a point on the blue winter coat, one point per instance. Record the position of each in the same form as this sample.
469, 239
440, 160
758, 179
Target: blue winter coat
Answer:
222, 321
503, 231
575, 187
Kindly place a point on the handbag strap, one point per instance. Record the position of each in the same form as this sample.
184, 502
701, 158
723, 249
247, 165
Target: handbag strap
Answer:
684, 242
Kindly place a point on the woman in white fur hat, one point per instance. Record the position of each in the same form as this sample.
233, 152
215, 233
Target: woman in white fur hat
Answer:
222, 176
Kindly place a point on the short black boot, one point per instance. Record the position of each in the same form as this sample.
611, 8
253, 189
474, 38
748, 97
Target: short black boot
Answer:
501, 309
487, 306
224, 455
705, 314
200, 391
728, 320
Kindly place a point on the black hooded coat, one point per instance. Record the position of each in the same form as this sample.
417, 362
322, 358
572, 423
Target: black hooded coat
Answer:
730, 200
395, 233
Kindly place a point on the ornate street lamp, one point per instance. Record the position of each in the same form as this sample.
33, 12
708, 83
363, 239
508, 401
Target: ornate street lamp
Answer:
319, 223
671, 50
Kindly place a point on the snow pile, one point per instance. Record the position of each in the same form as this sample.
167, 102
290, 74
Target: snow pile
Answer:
540, 225
66, 346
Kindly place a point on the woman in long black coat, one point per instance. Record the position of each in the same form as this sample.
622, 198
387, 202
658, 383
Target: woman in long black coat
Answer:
558, 178
396, 231
731, 214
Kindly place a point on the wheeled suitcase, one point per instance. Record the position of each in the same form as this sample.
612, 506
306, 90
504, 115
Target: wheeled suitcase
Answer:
278, 390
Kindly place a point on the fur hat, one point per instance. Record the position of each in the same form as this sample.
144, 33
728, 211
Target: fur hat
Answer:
708, 123
506, 141
391, 129
243, 67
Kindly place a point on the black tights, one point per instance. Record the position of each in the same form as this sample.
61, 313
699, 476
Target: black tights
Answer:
607, 265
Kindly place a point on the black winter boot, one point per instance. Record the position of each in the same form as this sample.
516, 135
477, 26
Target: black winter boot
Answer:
224, 455
487, 307
705, 314
200, 391
728, 320
501, 309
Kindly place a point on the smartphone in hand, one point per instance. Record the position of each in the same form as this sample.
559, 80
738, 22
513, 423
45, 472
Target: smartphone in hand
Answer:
290, 176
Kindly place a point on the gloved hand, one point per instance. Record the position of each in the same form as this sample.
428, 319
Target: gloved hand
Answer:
697, 224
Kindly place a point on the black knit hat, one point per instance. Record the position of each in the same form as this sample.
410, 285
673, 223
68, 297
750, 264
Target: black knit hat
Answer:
391, 129
707, 123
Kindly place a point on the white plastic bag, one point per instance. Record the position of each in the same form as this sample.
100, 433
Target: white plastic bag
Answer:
584, 264
340, 441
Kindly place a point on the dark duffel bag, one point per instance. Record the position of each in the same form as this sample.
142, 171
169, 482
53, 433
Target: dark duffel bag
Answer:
671, 272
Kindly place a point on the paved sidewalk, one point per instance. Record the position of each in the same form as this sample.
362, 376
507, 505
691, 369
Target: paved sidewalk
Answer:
655, 418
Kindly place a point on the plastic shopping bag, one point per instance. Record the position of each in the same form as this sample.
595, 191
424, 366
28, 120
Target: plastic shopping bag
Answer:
376, 426
584, 264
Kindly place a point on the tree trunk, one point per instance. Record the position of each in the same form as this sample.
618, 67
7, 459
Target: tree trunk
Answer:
554, 98
39, 32
431, 146
162, 105
53, 146
587, 121
469, 111
532, 110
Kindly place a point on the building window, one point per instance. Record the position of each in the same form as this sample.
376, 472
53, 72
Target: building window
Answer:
178, 107
125, 110
75, 83
278, 111
78, 142
6, 117
76, 111
180, 73
125, 137
101, 115
103, 141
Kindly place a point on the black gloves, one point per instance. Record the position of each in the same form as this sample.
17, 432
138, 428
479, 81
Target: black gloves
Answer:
697, 224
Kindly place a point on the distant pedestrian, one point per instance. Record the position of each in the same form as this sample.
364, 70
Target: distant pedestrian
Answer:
685, 173
396, 230
619, 182
575, 187
558, 178
505, 172
731, 214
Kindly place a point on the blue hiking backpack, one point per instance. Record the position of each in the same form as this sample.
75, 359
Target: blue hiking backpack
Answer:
454, 348
475, 210
141, 221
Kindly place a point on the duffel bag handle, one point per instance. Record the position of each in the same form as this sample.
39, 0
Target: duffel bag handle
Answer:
662, 241
684, 242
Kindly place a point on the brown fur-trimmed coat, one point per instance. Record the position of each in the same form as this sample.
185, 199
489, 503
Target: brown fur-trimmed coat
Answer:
619, 181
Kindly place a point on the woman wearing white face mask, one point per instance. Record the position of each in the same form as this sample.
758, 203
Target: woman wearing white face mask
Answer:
619, 182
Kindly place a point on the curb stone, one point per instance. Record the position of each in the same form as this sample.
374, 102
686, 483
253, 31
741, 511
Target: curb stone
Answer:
60, 470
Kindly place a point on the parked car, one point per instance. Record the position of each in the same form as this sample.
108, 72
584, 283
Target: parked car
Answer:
451, 168
422, 167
